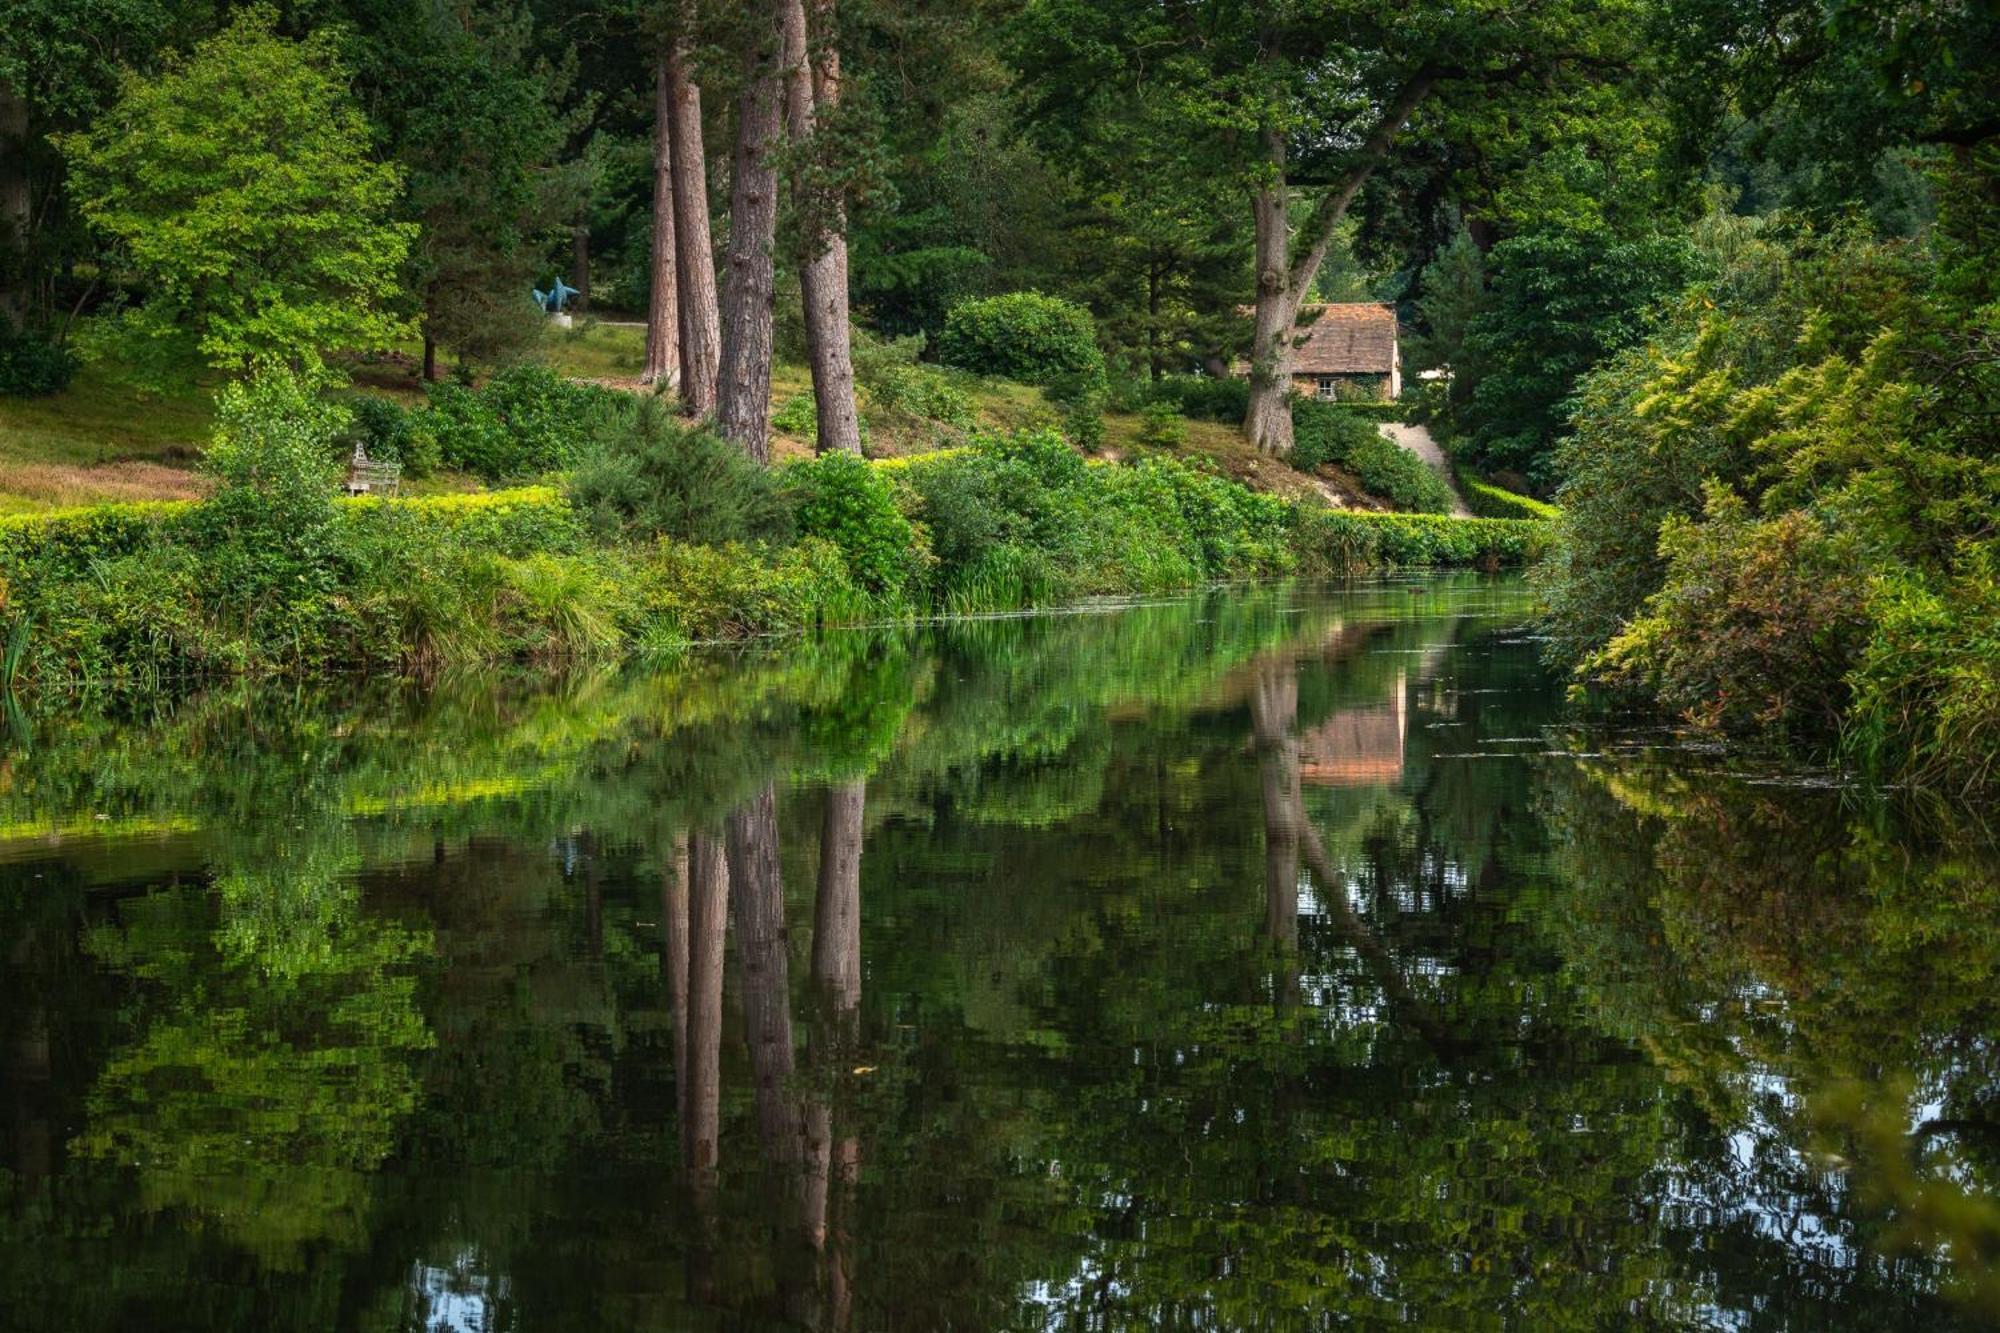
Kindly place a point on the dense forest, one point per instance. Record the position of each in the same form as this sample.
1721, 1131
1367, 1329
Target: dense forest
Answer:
1718, 280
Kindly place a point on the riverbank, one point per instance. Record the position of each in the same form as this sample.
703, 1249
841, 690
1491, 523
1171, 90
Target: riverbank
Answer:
262, 579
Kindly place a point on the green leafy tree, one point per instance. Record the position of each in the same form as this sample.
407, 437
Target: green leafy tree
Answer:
238, 190
473, 120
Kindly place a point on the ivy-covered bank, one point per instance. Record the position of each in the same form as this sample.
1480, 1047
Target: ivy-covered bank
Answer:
644, 548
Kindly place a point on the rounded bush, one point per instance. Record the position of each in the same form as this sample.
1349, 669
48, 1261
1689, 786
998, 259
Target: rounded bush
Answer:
853, 506
32, 366
1022, 336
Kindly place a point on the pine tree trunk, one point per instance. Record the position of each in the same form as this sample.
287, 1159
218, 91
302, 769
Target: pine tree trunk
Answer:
812, 88
663, 332
580, 264
430, 358
743, 408
700, 324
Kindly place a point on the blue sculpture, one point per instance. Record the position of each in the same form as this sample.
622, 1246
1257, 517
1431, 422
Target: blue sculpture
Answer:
553, 300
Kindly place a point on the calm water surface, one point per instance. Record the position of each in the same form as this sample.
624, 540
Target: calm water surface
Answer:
1256, 961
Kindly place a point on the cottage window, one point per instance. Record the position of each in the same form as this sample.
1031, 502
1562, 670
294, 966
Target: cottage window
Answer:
1326, 391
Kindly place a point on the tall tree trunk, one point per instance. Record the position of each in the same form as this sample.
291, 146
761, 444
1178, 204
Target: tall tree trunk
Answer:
1283, 279
580, 265
700, 324
1269, 421
743, 409
16, 205
430, 358
812, 89
663, 316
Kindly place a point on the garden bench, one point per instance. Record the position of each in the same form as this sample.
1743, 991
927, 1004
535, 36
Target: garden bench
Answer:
365, 476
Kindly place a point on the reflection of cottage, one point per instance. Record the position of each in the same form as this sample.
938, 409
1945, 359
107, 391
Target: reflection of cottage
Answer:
1357, 747
1347, 351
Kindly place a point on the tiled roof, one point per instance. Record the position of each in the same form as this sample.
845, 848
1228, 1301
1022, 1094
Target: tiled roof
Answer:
1357, 338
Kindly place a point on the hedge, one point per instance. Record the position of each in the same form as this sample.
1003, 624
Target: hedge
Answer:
1489, 501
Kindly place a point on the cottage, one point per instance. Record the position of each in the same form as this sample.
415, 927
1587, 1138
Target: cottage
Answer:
1347, 351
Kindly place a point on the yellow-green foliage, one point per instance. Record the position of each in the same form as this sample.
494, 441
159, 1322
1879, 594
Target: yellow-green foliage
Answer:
1489, 501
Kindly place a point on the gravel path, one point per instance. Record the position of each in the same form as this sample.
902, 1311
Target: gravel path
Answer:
1417, 439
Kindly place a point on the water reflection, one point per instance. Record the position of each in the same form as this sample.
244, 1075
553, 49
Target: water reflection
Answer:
1257, 961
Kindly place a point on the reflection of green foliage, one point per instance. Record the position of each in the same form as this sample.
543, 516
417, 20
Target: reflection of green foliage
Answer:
1808, 949
273, 1067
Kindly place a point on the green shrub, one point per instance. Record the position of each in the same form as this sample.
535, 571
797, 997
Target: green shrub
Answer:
267, 532
921, 391
1081, 397
1323, 433
852, 505
797, 416
525, 422
1754, 627
650, 474
1161, 426
1342, 541
1203, 397
1334, 433
389, 434
32, 366
1926, 686
1022, 336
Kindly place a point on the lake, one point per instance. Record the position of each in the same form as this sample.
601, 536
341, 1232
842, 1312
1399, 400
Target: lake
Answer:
1256, 960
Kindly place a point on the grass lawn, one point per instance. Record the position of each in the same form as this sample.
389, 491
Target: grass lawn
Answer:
100, 440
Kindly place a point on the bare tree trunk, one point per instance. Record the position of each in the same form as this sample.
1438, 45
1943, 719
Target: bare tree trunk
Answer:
743, 408
812, 88
700, 324
1283, 279
580, 265
430, 358
16, 206
663, 316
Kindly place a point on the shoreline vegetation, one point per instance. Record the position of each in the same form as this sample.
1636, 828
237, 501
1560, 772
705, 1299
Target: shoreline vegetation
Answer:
274, 575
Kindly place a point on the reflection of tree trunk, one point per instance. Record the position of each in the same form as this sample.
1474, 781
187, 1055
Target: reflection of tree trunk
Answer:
759, 913
836, 957
1333, 898
794, 1157
1274, 710
836, 974
674, 957
29, 1070
701, 1096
